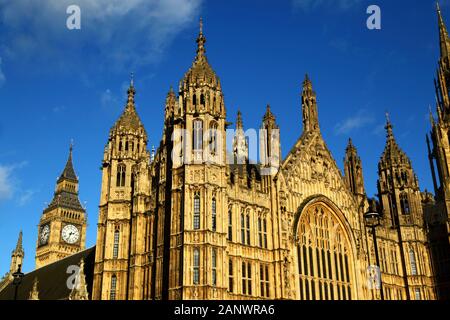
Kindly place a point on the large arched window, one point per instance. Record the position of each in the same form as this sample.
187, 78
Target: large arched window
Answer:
196, 211
121, 173
324, 257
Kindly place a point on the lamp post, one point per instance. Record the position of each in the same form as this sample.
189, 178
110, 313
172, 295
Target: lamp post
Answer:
372, 219
18, 275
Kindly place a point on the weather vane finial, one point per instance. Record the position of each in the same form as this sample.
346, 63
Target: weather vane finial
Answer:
132, 79
201, 25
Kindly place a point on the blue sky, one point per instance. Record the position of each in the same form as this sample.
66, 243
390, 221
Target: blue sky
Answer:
58, 84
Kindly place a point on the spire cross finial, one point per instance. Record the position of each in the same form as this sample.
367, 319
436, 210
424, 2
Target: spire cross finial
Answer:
132, 79
388, 120
71, 145
201, 25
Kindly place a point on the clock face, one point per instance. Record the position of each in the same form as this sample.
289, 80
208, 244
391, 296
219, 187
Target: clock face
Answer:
70, 234
44, 234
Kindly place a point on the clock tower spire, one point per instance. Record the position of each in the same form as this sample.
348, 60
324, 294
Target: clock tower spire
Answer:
62, 227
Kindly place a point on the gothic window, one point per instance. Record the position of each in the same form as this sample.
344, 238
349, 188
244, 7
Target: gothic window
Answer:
262, 232
264, 280
126, 145
230, 276
202, 99
230, 223
213, 138
324, 256
214, 266
116, 244
247, 226
260, 236
417, 293
197, 211
246, 278
196, 266
412, 261
214, 214
121, 172
242, 226
120, 145
112, 291
194, 100
404, 203
198, 135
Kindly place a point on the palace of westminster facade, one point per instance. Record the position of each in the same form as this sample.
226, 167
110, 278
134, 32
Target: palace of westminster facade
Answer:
192, 220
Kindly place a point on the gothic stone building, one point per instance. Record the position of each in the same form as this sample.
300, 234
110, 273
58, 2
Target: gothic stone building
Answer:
192, 220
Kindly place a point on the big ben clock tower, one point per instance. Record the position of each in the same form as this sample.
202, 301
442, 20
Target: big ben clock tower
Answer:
62, 227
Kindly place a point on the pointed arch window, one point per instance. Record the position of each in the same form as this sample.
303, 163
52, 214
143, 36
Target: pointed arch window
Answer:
116, 244
230, 223
196, 211
121, 174
213, 135
214, 266
404, 204
196, 267
412, 261
213, 215
198, 135
230, 276
324, 256
112, 291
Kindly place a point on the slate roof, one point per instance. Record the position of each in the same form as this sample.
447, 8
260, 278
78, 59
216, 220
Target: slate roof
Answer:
53, 278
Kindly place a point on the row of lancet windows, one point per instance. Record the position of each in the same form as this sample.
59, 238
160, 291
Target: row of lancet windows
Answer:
246, 229
196, 216
71, 215
128, 146
246, 275
244, 223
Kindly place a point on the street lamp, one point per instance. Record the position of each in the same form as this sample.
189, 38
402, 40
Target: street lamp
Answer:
18, 275
372, 219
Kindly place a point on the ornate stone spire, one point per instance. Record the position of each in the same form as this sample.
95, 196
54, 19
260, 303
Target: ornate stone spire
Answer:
239, 122
129, 121
201, 40
19, 248
34, 293
79, 291
309, 107
69, 172
353, 170
392, 154
201, 72
268, 116
443, 34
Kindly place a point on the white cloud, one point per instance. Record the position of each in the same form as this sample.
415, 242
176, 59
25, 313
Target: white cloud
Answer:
2, 75
354, 122
25, 197
8, 183
125, 34
314, 4
108, 99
